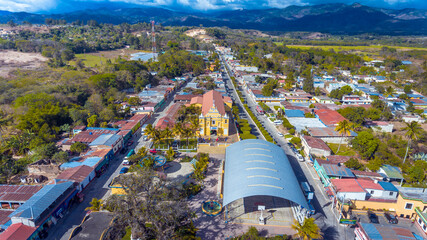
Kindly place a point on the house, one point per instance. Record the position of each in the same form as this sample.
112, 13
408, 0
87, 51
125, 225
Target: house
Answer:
355, 100
168, 121
98, 159
315, 146
348, 188
82, 175
290, 113
370, 231
327, 171
410, 201
324, 99
186, 98
113, 141
329, 135
378, 190
328, 117
213, 120
45, 207
380, 125
412, 118
365, 174
392, 173
298, 99
19, 231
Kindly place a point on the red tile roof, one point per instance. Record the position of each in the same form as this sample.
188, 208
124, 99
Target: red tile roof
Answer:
197, 100
213, 99
347, 185
186, 97
316, 143
329, 117
76, 174
17, 231
17, 193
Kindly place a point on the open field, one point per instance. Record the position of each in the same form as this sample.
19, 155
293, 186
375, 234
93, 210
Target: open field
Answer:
11, 60
344, 149
99, 58
371, 48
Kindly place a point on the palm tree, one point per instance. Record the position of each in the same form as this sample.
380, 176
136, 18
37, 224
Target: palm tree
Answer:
308, 230
168, 135
389, 92
413, 132
95, 205
187, 133
149, 131
156, 136
343, 128
177, 130
195, 125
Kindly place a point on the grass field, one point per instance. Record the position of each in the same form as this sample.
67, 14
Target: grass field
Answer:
344, 150
90, 60
371, 48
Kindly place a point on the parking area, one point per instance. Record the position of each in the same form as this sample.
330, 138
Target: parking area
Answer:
362, 217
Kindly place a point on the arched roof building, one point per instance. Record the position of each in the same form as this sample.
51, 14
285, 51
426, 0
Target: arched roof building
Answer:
259, 168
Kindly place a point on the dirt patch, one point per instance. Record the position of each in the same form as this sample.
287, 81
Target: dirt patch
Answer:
12, 60
113, 54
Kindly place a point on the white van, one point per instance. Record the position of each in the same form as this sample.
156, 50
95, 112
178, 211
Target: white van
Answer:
300, 157
278, 122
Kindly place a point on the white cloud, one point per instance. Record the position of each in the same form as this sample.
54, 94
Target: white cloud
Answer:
27, 5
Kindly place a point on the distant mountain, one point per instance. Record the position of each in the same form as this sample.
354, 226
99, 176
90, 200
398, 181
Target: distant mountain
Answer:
328, 18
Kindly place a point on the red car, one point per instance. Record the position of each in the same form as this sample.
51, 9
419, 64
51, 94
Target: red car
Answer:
153, 151
130, 143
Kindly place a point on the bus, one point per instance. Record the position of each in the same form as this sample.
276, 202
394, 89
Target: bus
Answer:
308, 192
259, 110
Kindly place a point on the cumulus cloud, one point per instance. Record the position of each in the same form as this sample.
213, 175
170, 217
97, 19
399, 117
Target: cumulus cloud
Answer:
204, 5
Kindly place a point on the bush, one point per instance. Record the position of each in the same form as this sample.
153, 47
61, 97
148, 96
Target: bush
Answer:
292, 131
247, 136
296, 141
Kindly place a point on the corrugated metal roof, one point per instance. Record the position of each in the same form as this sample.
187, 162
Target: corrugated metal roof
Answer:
294, 113
392, 172
105, 139
90, 161
43, 199
257, 167
338, 171
386, 232
372, 231
78, 174
16, 193
388, 186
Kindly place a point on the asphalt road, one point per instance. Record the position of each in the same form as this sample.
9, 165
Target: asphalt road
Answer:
98, 188
326, 216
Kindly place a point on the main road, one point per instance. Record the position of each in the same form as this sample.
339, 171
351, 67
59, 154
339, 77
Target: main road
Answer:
326, 216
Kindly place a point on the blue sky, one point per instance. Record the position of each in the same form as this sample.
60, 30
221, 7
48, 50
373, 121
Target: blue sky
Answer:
197, 5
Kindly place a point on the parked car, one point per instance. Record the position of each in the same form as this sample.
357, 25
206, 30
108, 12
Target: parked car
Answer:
300, 157
124, 150
391, 218
373, 218
153, 151
280, 134
130, 143
124, 170
126, 162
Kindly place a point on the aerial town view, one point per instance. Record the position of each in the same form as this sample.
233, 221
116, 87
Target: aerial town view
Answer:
213, 119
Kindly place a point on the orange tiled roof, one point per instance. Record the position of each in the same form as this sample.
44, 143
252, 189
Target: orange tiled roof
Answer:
210, 99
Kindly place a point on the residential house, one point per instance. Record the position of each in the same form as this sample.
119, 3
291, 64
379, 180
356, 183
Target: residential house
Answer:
380, 125
315, 146
328, 117
355, 100
412, 118
329, 135
324, 99
113, 141
327, 171
391, 173
82, 175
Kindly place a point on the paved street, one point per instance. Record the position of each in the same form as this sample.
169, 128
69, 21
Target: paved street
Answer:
98, 188
325, 216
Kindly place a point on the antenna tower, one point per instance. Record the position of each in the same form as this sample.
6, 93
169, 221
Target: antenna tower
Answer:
153, 39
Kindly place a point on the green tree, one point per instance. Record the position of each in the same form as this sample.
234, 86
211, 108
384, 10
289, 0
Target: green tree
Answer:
413, 132
170, 154
375, 164
365, 143
308, 230
407, 89
92, 121
95, 205
343, 128
78, 147
353, 163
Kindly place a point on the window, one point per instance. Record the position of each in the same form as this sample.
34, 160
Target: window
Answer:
409, 206
372, 191
390, 193
419, 220
225, 121
213, 122
424, 227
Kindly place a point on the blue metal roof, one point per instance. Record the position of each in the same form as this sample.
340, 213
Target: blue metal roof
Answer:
105, 139
380, 232
388, 186
337, 171
372, 231
256, 167
42, 200
294, 113
90, 161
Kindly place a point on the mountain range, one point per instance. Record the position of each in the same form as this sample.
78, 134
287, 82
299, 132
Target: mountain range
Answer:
334, 18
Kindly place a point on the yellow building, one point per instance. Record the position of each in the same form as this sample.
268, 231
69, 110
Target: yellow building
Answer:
214, 119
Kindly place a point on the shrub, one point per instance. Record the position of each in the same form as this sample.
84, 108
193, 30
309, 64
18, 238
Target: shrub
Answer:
292, 131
